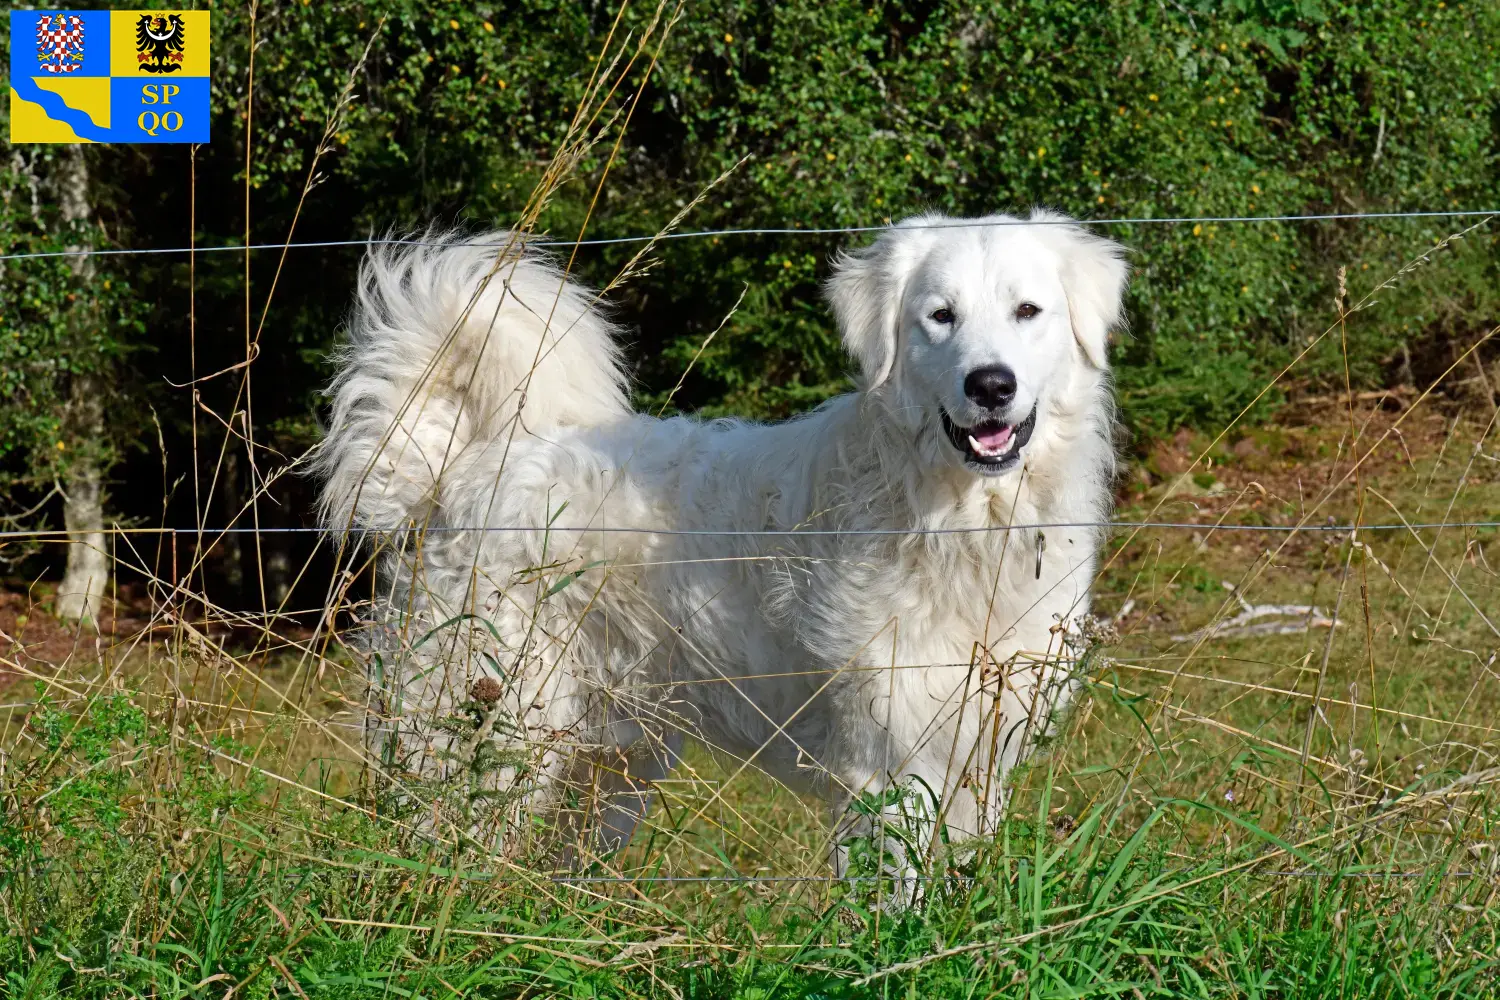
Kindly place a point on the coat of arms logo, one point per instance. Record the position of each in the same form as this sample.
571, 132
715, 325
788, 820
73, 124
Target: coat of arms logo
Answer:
158, 42
59, 42
143, 77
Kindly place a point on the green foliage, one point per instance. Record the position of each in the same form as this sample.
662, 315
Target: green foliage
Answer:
852, 115
1119, 110
849, 115
33, 322
59, 323
77, 772
56, 326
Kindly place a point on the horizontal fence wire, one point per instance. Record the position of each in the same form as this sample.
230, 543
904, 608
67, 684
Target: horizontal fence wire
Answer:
798, 231
836, 879
62, 534
735, 879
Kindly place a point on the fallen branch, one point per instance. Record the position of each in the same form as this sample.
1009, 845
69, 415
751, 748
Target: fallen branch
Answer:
1292, 620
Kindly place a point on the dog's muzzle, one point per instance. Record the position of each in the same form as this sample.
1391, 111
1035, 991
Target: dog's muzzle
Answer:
990, 447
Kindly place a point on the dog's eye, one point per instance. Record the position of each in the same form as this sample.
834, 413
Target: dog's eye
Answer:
944, 316
1026, 310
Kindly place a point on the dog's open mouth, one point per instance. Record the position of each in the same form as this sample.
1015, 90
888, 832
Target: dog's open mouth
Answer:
990, 446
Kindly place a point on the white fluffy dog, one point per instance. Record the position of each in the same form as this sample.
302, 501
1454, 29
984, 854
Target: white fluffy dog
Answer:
838, 600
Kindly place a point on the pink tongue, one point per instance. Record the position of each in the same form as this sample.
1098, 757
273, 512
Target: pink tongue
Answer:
991, 440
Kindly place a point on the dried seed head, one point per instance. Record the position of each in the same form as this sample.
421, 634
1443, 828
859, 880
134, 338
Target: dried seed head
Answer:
486, 691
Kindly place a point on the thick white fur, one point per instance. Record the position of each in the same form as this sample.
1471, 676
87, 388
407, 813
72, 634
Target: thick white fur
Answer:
484, 390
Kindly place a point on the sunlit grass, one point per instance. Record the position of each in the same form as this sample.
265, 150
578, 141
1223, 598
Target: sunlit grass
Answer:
185, 820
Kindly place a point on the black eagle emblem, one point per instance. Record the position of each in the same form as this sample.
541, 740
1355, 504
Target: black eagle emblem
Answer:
158, 42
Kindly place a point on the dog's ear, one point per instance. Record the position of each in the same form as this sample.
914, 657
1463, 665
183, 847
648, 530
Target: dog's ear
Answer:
866, 299
1094, 273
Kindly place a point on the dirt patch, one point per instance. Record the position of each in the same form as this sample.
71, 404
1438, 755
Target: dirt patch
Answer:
1281, 469
34, 642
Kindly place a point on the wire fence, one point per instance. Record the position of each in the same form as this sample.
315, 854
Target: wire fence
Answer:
772, 231
731, 879
1336, 528
753, 879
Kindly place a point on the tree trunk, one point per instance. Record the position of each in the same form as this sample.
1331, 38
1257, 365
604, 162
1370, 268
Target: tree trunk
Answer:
80, 596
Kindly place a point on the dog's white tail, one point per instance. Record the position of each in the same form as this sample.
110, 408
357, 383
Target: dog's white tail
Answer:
454, 344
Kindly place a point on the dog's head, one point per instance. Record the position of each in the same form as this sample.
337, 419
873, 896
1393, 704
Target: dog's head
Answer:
972, 326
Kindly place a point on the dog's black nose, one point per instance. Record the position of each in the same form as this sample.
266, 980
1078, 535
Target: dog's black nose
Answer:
991, 388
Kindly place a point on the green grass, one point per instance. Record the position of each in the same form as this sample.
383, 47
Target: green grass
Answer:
178, 822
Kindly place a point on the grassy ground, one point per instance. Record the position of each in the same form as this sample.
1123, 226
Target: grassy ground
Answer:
1304, 814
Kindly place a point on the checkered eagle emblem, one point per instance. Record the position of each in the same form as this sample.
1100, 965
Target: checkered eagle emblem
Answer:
59, 42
